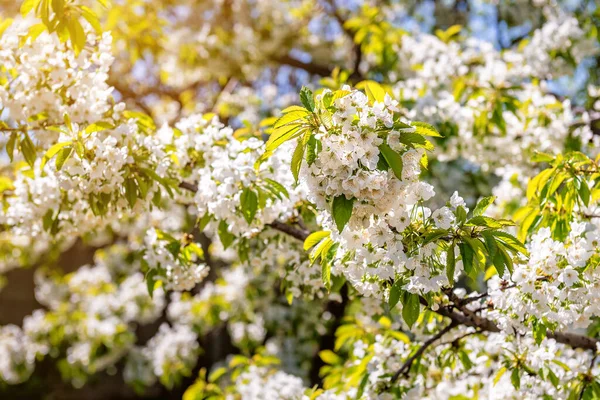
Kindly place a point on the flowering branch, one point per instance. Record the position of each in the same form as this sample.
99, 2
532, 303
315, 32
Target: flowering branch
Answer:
406, 366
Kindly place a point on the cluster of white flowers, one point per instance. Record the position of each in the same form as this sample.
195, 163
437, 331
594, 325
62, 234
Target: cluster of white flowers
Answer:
347, 164
89, 179
556, 285
449, 87
260, 383
384, 206
181, 272
223, 166
42, 76
18, 359
92, 313
484, 374
173, 352
562, 35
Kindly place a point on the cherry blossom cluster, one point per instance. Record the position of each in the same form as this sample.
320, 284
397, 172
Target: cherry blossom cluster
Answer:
224, 168
92, 313
557, 285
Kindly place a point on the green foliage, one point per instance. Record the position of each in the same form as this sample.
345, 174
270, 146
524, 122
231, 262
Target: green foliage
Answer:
558, 194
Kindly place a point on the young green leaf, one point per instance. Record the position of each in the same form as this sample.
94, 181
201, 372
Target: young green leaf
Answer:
342, 211
450, 263
395, 292
307, 99
62, 156
425, 129
297, 158
411, 308
326, 274
315, 238
225, 236
131, 191
482, 205
466, 253
249, 204
393, 159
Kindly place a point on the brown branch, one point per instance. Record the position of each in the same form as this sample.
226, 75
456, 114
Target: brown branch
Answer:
405, 369
570, 339
296, 232
311, 68
291, 230
192, 187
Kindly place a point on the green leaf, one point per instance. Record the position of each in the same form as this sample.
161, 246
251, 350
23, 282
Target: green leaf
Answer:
10, 145
311, 150
498, 261
511, 242
415, 140
131, 191
341, 209
395, 292
59, 7
281, 135
489, 222
490, 243
542, 157
291, 118
249, 204
98, 127
329, 357
62, 157
225, 236
425, 129
28, 150
77, 34
466, 253
150, 281
433, 236
28, 5
203, 221
411, 308
393, 159
482, 205
326, 274
374, 91
52, 152
515, 378
584, 192
48, 220
92, 18
498, 376
315, 238
216, 374
297, 160
506, 259
307, 99
461, 215
539, 331
450, 263
277, 187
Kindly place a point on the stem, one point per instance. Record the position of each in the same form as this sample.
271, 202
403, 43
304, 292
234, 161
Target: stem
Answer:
405, 369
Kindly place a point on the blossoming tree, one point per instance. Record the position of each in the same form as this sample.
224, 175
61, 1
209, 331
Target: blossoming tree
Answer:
303, 199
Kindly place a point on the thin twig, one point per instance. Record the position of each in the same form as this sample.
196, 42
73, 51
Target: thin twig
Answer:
405, 369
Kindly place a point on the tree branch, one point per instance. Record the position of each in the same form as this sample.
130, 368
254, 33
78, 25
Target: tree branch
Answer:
291, 230
408, 363
311, 68
483, 324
